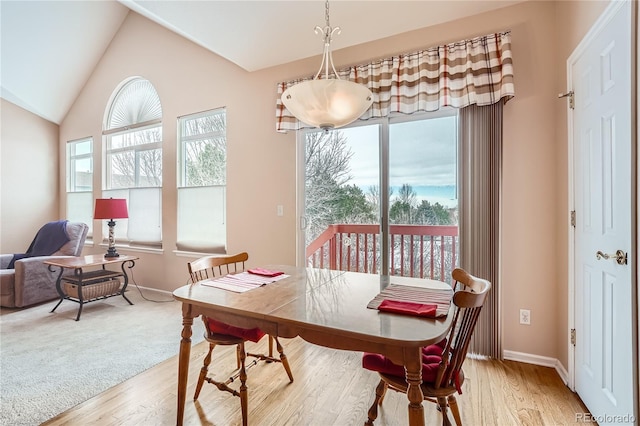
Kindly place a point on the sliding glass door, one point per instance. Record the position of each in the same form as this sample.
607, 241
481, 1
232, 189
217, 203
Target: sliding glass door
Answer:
381, 197
341, 225
423, 205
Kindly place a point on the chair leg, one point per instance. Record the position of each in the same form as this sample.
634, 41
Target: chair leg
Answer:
384, 392
442, 404
453, 404
243, 385
283, 357
203, 371
381, 389
237, 357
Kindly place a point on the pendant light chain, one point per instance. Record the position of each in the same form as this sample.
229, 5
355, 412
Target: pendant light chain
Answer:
326, 13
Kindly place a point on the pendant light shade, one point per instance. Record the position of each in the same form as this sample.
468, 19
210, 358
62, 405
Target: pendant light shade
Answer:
327, 103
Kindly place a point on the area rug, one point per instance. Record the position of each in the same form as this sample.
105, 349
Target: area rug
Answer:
50, 363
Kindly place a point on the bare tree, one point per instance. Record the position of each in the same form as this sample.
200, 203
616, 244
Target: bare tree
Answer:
327, 157
373, 197
403, 207
326, 169
205, 155
137, 159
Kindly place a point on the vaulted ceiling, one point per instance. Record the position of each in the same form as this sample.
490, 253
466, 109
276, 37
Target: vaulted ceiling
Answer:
50, 48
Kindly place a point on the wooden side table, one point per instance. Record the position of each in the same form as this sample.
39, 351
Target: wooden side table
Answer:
88, 286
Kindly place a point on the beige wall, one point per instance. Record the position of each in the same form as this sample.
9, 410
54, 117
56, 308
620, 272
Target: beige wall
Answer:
28, 176
189, 79
261, 162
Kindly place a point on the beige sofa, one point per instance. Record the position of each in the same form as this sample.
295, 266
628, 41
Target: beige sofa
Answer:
31, 281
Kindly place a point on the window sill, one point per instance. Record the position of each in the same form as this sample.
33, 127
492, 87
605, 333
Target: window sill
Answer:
195, 254
135, 249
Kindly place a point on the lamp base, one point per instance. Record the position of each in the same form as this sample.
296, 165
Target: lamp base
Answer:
111, 252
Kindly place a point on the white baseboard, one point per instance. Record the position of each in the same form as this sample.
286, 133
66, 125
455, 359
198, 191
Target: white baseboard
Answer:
538, 360
131, 286
562, 372
156, 290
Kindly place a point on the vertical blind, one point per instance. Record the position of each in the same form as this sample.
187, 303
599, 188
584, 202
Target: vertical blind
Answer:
480, 133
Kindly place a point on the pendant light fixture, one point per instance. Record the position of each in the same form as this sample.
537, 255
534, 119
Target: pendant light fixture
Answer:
325, 102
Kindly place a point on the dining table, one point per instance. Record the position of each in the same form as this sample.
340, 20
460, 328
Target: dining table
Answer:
324, 307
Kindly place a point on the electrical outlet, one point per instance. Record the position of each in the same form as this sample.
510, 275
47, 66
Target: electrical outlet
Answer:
525, 316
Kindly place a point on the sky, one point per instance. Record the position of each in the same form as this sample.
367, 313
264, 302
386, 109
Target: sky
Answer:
421, 153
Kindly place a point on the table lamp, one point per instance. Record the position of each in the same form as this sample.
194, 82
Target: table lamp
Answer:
111, 208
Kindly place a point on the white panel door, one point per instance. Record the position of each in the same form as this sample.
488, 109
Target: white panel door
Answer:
604, 352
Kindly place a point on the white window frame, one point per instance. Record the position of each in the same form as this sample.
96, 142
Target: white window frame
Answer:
79, 201
201, 209
143, 228
136, 149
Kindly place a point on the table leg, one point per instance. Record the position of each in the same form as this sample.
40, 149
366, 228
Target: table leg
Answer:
81, 304
413, 371
129, 264
58, 287
183, 362
56, 307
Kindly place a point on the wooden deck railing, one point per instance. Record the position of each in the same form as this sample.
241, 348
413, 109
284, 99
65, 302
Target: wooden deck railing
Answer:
423, 251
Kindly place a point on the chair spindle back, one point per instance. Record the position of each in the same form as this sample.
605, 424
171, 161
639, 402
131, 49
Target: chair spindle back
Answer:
216, 266
468, 301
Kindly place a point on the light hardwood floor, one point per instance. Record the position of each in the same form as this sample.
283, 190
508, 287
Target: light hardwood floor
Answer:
330, 388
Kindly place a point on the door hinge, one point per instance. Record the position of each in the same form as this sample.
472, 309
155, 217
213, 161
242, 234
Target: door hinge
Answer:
573, 218
573, 336
571, 97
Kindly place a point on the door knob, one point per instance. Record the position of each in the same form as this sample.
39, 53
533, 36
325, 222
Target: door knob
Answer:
620, 256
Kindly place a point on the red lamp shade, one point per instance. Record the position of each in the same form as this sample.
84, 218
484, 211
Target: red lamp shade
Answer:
111, 208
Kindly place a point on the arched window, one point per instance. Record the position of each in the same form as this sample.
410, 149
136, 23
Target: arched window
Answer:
133, 160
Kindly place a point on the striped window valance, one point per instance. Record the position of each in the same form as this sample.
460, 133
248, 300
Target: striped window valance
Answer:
476, 71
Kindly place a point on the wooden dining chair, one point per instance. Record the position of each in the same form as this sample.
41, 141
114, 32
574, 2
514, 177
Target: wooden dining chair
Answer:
219, 333
442, 374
